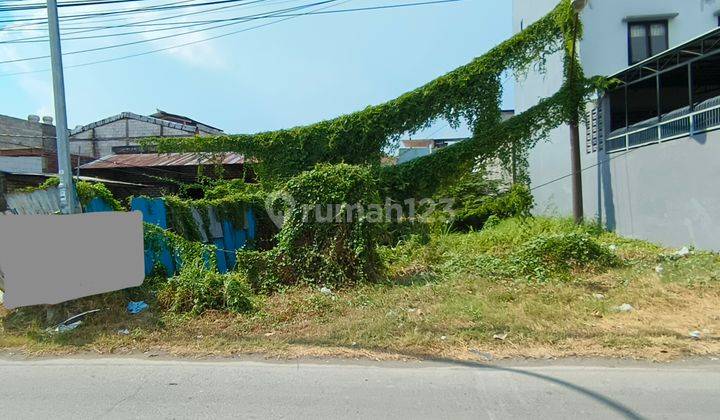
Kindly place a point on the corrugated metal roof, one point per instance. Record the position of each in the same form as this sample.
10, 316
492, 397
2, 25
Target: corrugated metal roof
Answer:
141, 160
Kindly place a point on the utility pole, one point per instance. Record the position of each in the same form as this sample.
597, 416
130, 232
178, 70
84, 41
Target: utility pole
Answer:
68, 199
577, 189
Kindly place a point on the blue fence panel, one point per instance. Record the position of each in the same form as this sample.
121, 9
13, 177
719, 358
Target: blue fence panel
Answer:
250, 217
153, 211
229, 244
221, 255
97, 205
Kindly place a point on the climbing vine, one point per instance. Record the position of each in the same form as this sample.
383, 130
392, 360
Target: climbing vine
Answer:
86, 191
470, 94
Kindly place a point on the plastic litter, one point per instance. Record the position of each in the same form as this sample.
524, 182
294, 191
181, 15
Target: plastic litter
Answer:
625, 307
659, 269
136, 307
325, 291
683, 252
501, 336
598, 296
695, 335
72, 322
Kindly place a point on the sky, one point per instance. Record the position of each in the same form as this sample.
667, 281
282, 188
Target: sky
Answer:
293, 72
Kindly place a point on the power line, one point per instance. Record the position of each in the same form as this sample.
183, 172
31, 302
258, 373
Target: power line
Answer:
189, 24
154, 8
582, 170
84, 29
179, 25
145, 41
212, 37
36, 6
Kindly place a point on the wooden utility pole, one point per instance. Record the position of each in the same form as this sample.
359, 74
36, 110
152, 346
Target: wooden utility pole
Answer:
577, 189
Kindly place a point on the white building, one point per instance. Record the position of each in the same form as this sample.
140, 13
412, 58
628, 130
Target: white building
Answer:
123, 132
651, 157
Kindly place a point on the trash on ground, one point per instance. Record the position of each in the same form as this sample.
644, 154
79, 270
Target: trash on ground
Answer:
136, 307
72, 322
124, 331
683, 252
598, 296
659, 269
625, 307
325, 291
695, 335
484, 355
501, 336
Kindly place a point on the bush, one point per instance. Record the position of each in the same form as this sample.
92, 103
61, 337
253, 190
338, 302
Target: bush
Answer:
556, 255
198, 290
337, 248
474, 214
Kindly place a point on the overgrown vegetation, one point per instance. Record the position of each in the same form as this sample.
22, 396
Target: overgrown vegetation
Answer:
437, 298
470, 94
450, 282
327, 238
86, 192
476, 199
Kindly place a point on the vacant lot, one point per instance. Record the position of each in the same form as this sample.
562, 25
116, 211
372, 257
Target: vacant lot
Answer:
532, 287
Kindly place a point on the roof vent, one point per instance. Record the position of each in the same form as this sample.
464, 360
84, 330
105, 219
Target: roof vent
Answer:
47, 120
33, 118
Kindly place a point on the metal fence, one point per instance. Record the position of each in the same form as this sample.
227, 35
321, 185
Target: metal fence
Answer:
687, 125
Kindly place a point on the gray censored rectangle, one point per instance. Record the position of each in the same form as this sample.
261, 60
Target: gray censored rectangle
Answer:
49, 259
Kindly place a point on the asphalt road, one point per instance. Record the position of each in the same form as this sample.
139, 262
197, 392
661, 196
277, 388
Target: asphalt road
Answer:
133, 388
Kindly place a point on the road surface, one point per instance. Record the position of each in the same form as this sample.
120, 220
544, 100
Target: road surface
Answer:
134, 388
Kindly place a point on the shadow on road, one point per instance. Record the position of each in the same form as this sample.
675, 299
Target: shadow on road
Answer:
608, 402
616, 406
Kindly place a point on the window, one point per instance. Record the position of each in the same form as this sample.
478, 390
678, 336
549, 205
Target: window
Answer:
646, 39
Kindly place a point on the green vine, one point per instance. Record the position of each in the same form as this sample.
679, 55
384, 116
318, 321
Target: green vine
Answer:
469, 94
86, 192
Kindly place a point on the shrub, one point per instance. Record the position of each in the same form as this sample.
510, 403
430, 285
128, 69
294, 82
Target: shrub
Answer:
198, 290
556, 255
476, 199
517, 202
338, 248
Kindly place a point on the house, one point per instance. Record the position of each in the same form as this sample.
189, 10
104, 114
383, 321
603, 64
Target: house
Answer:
29, 146
414, 148
166, 172
411, 149
650, 147
100, 138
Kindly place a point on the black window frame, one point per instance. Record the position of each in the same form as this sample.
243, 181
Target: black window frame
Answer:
648, 37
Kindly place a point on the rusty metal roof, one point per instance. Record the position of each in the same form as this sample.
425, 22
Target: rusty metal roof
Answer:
144, 160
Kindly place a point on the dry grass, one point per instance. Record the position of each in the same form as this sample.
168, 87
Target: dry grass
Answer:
438, 304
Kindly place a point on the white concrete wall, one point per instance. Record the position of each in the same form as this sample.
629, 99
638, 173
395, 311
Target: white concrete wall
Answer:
21, 164
604, 51
123, 132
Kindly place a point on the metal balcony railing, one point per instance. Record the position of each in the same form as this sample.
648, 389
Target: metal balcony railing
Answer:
686, 125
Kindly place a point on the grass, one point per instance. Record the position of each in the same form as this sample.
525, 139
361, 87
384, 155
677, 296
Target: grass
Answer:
446, 298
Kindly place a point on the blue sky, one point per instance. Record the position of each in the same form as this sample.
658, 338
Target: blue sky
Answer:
291, 73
